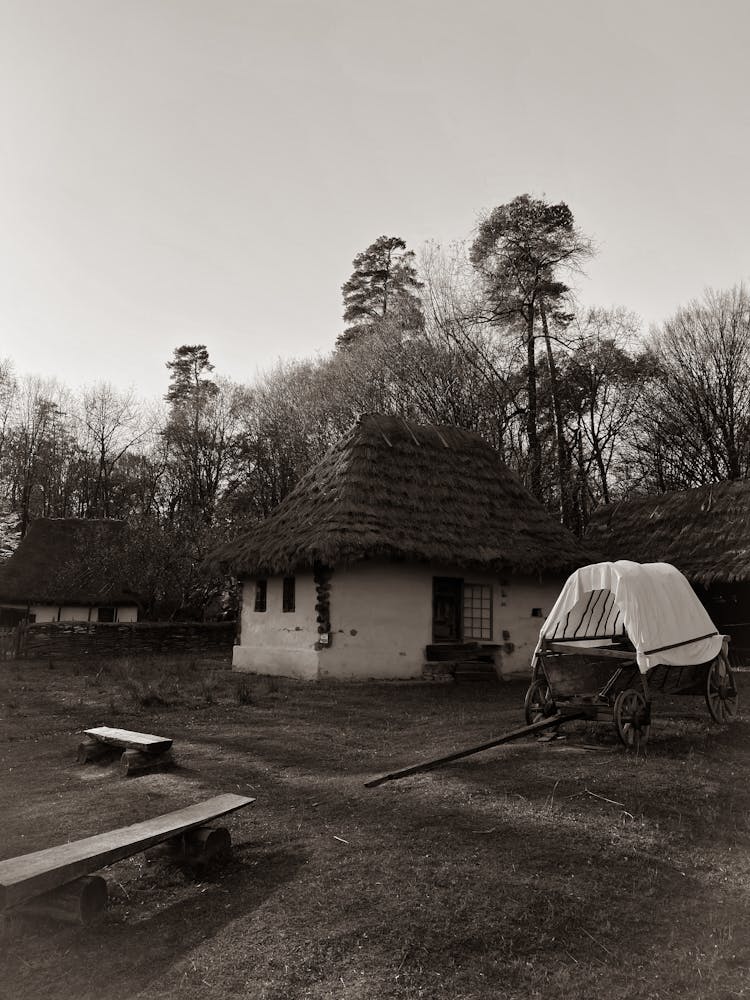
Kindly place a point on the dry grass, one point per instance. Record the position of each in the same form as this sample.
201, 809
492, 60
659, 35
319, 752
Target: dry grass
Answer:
536, 870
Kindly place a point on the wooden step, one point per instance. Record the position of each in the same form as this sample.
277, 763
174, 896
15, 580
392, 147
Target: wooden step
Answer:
473, 671
450, 650
462, 670
459, 651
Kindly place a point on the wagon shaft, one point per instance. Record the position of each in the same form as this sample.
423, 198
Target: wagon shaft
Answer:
516, 734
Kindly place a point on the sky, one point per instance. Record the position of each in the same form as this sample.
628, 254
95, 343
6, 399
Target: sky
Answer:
204, 171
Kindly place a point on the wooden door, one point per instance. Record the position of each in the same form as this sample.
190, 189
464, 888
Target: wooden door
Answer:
447, 609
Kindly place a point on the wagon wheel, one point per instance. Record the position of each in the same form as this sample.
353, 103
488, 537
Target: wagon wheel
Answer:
632, 718
721, 691
538, 703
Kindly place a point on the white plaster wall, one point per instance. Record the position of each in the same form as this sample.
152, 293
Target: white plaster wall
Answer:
275, 641
73, 613
514, 599
80, 613
381, 621
44, 612
388, 606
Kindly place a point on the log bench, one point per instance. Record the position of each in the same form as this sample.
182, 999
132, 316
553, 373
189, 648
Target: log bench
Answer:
57, 881
141, 751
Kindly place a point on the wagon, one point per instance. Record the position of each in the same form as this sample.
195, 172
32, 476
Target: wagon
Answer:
621, 634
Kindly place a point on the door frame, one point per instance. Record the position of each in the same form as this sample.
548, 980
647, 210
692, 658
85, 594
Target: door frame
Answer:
458, 593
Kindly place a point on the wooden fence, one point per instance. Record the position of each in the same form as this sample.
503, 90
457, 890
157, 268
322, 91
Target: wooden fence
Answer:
69, 639
8, 642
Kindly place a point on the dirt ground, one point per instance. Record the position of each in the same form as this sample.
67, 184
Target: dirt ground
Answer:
537, 870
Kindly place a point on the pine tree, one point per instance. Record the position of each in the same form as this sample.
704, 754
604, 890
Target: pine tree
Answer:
519, 250
384, 283
188, 379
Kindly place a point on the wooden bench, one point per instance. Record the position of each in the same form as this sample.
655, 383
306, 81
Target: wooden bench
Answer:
59, 874
142, 751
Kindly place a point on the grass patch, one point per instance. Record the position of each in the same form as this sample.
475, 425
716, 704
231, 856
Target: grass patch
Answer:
532, 871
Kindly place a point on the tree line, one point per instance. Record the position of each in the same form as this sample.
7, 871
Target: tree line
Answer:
582, 403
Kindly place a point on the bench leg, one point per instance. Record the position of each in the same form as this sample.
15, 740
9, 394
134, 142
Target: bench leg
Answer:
136, 762
208, 843
91, 749
194, 847
78, 902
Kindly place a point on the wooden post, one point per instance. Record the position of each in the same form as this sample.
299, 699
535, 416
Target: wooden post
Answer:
195, 847
90, 749
20, 640
136, 762
208, 843
77, 902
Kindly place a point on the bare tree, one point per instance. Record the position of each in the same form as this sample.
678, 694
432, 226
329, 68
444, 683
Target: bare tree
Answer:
8, 392
694, 420
113, 425
41, 449
602, 373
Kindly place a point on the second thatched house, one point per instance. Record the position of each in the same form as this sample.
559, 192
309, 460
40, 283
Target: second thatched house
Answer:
67, 569
704, 532
404, 540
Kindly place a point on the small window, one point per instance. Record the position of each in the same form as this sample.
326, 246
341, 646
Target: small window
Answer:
105, 614
261, 589
477, 611
536, 613
288, 595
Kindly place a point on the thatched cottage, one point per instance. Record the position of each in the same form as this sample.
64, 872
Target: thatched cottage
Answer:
65, 569
402, 540
704, 532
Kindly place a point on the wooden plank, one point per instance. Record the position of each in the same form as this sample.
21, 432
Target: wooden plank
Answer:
616, 637
428, 765
130, 741
593, 651
32, 874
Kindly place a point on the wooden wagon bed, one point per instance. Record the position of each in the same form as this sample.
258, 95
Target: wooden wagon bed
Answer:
605, 684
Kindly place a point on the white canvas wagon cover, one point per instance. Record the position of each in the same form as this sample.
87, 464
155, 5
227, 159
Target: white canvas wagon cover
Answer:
652, 603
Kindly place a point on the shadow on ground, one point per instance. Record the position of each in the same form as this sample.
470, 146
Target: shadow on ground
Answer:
105, 960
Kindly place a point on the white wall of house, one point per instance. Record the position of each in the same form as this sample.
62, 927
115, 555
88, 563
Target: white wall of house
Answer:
515, 600
381, 622
275, 641
45, 612
75, 612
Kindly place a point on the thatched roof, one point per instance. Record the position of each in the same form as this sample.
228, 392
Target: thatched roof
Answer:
399, 490
704, 532
66, 561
